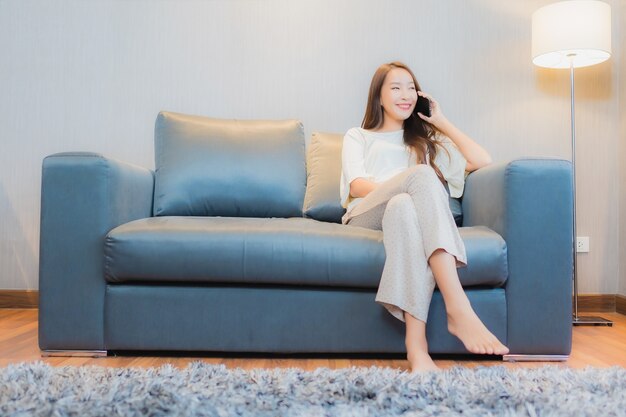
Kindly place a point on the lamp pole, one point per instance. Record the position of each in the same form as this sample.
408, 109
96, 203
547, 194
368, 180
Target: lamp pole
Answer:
573, 127
578, 320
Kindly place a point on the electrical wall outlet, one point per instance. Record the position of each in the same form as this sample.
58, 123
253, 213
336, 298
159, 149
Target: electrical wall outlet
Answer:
582, 244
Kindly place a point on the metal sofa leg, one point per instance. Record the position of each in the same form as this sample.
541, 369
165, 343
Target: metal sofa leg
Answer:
534, 358
75, 353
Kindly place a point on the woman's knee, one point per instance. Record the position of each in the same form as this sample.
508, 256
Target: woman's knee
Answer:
422, 171
421, 176
399, 206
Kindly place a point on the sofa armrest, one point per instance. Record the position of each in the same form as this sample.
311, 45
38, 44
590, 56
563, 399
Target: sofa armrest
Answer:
83, 196
529, 203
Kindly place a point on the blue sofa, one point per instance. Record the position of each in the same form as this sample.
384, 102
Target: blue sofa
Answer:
234, 244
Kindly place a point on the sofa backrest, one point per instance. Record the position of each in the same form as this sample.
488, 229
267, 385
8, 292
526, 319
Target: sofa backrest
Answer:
230, 168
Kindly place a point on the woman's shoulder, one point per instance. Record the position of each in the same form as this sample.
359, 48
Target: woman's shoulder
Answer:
374, 134
355, 133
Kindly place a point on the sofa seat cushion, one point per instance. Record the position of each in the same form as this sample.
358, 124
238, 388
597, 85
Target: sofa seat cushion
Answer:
291, 251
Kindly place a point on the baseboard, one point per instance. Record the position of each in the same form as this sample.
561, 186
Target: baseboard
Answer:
596, 303
620, 304
19, 298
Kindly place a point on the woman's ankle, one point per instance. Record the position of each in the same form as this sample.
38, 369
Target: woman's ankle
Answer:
417, 354
459, 308
416, 346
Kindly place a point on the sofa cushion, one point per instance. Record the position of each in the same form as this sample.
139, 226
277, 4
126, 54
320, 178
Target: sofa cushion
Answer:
323, 173
293, 251
214, 167
322, 200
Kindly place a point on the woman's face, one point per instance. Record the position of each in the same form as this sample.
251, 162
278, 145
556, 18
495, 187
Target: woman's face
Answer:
398, 95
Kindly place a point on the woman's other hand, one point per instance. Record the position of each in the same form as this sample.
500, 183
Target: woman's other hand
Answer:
360, 187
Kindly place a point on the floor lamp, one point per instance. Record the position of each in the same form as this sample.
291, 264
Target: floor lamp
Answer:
573, 34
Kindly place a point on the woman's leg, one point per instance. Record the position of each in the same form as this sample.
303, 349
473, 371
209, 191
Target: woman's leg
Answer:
417, 345
407, 283
462, 320
445, 251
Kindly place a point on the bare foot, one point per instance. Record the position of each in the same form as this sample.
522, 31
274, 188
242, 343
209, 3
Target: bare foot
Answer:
472, 332
421, 362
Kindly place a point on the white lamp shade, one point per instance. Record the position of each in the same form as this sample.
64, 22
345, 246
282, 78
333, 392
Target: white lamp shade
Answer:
578, 28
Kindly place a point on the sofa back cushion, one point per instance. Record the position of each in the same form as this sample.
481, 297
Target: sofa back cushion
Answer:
235, 168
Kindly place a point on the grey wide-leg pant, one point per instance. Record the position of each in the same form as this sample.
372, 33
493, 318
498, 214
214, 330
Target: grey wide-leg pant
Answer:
412, 209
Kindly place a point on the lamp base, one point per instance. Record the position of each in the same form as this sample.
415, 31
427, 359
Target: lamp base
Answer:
591, 321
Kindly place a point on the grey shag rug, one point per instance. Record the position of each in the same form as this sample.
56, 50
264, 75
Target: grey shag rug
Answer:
37, 389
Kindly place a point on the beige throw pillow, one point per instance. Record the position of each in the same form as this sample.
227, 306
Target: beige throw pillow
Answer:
323, 166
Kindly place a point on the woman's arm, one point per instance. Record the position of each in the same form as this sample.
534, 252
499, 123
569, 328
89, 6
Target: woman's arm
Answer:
361, 187
475, 155
353, 164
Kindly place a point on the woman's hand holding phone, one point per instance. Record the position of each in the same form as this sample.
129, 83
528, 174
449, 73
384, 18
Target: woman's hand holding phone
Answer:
422, 106
435, 117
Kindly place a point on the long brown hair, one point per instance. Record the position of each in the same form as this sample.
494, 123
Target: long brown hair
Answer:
419, 135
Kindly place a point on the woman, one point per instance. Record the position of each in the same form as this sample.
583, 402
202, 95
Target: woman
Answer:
398, 171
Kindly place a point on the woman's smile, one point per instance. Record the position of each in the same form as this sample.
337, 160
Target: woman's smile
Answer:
404, 106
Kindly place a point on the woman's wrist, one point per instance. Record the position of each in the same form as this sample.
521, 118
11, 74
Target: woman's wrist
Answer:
443, 124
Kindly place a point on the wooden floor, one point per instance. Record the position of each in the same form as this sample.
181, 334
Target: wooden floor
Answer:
599, 346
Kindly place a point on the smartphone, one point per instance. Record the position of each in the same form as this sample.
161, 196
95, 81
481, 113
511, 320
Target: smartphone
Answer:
422, 106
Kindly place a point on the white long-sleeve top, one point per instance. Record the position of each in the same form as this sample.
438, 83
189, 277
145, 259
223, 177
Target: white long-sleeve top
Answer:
378, 156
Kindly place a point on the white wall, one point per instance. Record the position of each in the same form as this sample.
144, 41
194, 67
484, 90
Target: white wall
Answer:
92, 75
